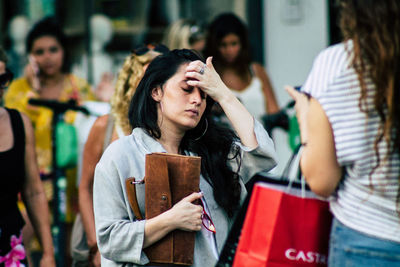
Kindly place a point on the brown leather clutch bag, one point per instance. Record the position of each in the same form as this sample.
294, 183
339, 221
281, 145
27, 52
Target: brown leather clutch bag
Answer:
168, 179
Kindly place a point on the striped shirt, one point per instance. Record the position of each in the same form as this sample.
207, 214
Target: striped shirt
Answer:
363, 202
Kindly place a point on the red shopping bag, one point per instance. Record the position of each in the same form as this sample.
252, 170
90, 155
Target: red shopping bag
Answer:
284, 229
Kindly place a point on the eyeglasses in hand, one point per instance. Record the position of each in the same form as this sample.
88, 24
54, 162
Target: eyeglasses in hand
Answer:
206, 219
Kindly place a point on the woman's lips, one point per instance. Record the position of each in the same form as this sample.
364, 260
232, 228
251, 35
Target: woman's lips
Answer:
48, 66
193, 111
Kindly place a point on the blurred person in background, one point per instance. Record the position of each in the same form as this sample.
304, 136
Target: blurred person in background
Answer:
350, 130
47, 77
20, 175
106, 129
185, 33
227, 42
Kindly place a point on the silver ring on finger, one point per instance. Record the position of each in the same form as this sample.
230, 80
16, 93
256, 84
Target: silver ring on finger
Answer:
202, 69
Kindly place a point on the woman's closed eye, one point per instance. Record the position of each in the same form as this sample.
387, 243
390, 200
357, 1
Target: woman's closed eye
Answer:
187, 89
190, 89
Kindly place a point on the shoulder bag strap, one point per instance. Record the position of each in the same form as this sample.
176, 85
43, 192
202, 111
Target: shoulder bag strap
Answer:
130, 184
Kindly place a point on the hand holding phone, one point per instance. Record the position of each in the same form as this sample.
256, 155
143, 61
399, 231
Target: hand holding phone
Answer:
32, 73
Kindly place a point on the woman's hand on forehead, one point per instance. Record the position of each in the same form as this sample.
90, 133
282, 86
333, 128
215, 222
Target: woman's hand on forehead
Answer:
206, 78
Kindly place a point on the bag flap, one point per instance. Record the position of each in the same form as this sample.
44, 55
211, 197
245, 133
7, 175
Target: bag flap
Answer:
157, 189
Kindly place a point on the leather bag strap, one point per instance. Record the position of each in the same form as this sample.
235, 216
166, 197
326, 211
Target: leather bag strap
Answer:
131, 191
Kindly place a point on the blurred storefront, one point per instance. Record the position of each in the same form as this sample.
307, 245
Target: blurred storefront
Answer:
133, 21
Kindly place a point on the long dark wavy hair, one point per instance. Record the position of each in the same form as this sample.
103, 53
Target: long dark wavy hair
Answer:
220, 27
216, 145
374, 28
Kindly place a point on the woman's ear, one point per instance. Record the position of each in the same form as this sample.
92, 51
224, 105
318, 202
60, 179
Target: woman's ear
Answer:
157, 94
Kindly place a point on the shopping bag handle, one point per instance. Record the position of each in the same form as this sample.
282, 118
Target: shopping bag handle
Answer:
291, 171
289, 168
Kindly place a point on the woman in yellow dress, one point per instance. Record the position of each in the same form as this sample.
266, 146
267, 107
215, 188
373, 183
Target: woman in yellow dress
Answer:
46, 77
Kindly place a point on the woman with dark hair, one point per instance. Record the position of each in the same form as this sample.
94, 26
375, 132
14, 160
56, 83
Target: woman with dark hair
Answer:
105, 130
45, 28
227, 42
170, 113
351, 129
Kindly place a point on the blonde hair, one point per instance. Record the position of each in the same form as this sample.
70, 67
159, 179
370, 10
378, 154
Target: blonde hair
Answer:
128, 79
179, 34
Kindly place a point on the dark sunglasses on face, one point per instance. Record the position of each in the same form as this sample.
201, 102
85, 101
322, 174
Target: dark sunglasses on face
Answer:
141, 50
6, 78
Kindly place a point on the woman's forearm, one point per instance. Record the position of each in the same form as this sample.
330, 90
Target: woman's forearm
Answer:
183, 215
33, 193
318, 163
240, 118
205, 77
37, 207
91, 155
87, 213
156, 228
